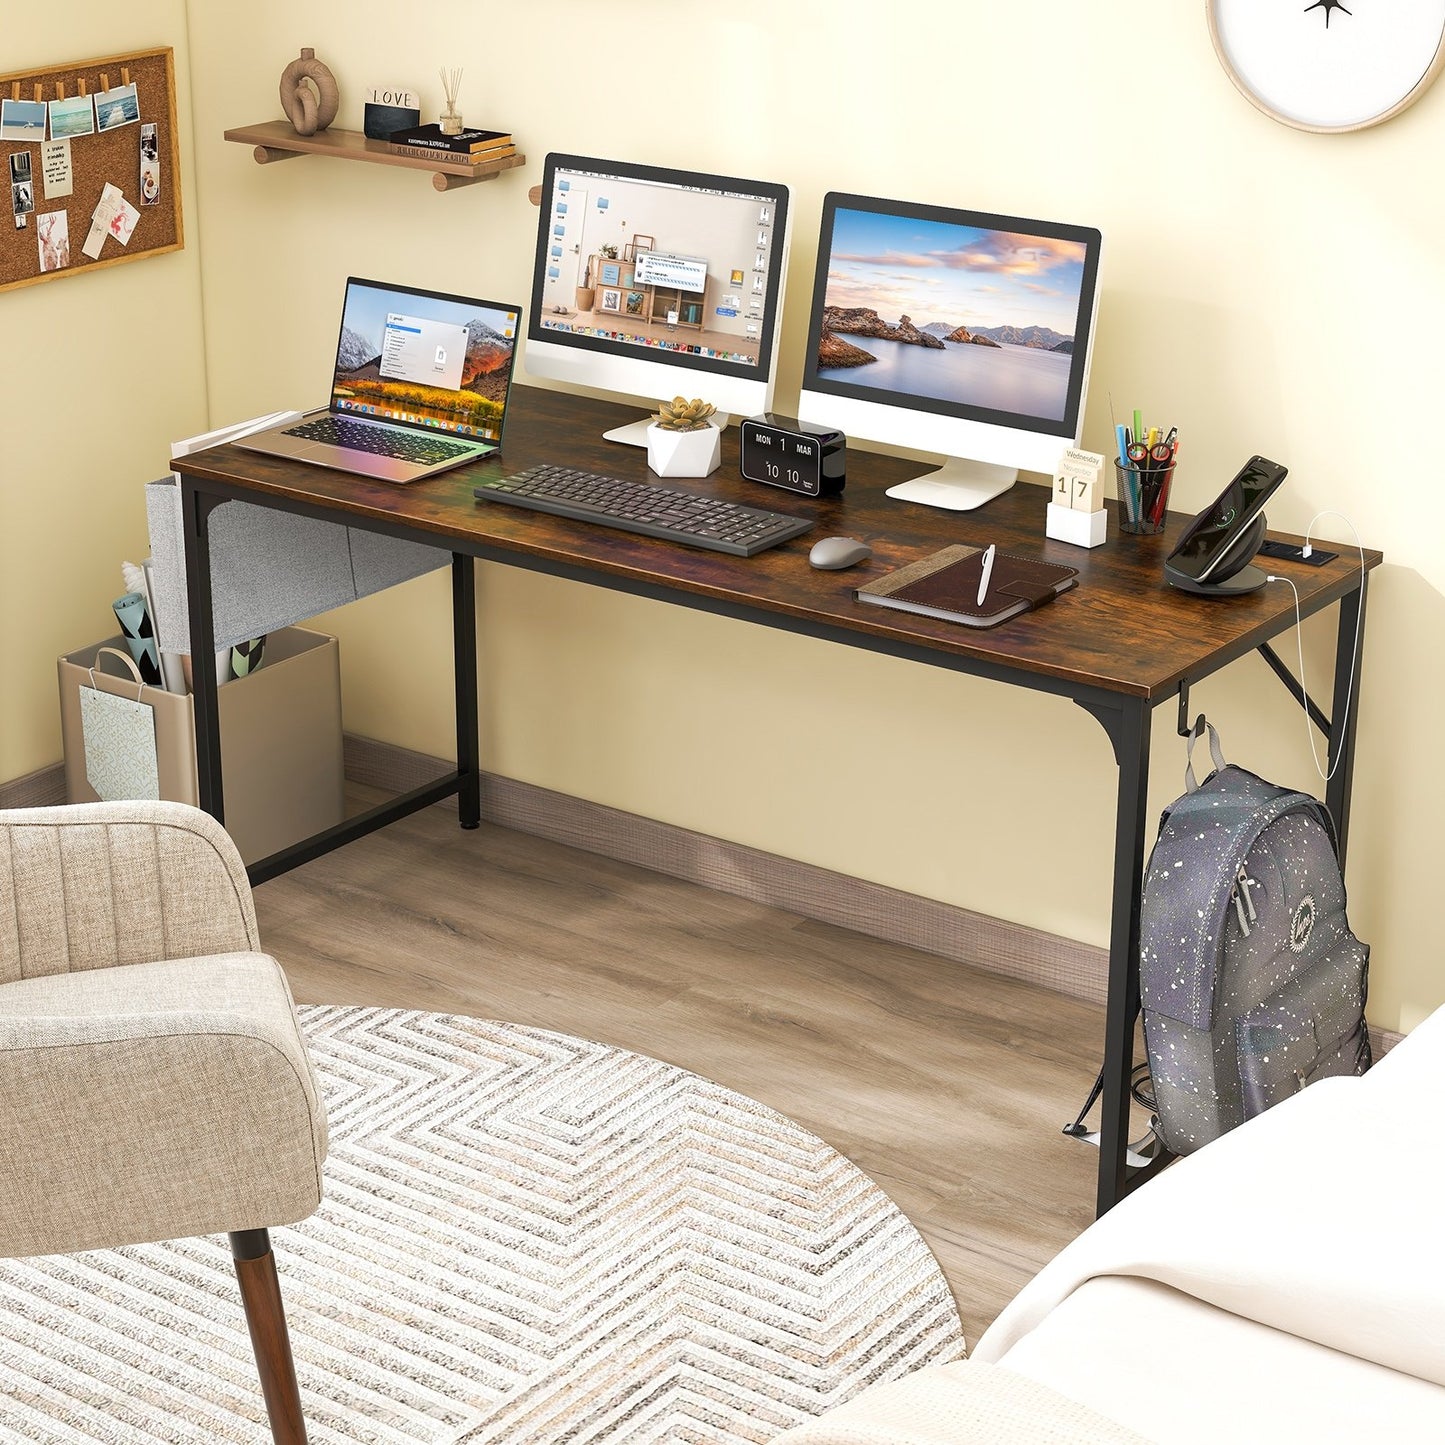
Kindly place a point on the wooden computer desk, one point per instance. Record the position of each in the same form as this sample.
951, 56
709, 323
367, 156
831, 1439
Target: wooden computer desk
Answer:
1120, 645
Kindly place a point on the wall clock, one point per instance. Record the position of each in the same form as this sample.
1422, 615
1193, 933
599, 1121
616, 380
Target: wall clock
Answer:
1329, 66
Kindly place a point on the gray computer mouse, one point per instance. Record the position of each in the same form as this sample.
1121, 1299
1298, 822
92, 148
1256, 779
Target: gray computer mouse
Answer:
832, 553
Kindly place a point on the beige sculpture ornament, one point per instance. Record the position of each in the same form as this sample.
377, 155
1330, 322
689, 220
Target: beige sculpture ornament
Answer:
313, 107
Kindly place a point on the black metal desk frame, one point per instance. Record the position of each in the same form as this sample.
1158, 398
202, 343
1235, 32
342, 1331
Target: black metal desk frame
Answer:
1125, 719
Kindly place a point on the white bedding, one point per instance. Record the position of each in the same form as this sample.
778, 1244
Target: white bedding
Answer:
1324, 1218
1174, 1369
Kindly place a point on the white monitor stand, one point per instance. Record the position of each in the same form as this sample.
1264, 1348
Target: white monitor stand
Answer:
634, 433
959, 485
979, 460
630, 434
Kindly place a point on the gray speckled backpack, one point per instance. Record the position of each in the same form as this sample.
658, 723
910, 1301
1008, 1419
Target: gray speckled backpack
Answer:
1252, 984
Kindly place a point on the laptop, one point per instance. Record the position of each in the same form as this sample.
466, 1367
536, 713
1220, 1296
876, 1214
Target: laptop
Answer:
420, 385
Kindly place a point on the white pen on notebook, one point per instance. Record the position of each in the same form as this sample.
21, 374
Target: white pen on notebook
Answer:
987, 572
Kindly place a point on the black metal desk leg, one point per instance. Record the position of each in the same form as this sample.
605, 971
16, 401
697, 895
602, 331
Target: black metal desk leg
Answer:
464, 647
196, 509
1345, 712
1128, 729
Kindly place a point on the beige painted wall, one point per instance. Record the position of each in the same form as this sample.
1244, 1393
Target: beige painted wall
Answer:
1265, 289
97, 374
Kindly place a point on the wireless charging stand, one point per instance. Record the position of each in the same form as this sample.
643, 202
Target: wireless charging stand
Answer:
1233, 577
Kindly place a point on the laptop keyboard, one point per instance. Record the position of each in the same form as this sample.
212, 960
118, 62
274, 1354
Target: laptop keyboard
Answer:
381, 441
665, 512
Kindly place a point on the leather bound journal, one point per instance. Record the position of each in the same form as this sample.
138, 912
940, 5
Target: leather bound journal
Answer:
946, 585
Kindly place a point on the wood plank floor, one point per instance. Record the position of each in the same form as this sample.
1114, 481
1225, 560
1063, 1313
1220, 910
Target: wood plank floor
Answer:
948, 1085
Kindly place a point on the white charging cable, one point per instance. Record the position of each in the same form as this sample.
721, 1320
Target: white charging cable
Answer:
1341, 722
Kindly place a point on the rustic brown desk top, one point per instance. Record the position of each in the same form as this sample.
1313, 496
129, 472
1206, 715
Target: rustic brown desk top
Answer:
1123, 629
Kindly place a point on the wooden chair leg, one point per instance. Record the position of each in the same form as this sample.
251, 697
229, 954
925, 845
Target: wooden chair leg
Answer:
266, 1320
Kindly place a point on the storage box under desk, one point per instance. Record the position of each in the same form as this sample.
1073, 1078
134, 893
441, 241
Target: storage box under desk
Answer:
280, 734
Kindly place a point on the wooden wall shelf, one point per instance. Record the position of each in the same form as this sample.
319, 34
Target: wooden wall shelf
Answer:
274, 140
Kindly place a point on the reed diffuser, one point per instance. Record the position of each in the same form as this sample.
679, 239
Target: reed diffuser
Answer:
451, 120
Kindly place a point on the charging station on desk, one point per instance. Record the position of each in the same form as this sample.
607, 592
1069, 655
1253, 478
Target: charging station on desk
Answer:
1213, 556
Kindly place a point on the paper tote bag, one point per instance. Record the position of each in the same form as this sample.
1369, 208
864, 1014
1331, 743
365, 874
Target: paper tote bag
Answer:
120, 742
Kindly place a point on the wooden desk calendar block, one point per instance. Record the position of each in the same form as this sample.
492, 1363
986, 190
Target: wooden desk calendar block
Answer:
1078, 481
1082, 529
1086, 492
1077, 460
1077, 491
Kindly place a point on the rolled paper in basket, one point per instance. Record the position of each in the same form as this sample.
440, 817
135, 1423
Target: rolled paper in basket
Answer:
135, 623
246, 656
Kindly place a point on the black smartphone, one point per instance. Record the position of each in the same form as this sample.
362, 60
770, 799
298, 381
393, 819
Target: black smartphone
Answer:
1292, 552
1214, 535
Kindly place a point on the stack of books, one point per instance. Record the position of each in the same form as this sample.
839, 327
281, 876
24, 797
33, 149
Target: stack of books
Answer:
472, 147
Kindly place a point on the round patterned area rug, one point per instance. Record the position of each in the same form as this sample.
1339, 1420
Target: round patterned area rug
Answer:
526, 1238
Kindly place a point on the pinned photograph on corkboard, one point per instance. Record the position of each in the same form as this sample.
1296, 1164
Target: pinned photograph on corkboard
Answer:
22, 188
122, 221
101, 155
72, 117
22, 120
53, 238
117, 107
113, 216
150, 167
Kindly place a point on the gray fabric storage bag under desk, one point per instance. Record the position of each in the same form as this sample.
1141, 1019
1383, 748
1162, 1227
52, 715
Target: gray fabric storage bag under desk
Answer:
379, 562
269, 569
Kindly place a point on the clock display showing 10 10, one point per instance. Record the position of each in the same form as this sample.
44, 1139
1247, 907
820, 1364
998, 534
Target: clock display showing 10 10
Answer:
782, 451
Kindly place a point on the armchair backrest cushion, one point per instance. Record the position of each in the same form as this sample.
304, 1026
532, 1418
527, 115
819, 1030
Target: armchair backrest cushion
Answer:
98, 884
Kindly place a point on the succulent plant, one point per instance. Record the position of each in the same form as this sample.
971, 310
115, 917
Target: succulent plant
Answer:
680, 414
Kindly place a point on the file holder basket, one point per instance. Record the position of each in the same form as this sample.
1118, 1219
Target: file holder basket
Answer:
280, 729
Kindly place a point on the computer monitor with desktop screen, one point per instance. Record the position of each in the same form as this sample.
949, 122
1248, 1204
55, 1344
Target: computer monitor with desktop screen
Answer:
951, 331
651, 282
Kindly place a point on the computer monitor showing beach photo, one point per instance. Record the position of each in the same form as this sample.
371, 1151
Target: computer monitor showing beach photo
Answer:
649, 282
952, 331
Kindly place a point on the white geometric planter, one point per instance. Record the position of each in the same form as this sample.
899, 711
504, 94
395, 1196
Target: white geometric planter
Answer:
684, 453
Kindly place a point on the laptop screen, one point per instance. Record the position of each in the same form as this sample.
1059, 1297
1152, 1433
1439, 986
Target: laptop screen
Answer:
425, 359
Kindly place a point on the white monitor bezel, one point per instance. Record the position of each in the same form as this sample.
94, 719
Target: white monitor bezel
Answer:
617, 367
946, 428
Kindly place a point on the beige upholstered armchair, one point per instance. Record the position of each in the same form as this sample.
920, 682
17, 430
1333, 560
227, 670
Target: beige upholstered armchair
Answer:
153, 1080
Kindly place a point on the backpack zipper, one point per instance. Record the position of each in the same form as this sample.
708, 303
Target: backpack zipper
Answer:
1243, 899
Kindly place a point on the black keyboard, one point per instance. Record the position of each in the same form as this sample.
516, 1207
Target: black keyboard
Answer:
381, 441
664, 512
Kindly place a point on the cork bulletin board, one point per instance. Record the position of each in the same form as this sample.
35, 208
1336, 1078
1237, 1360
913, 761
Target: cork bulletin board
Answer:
118, 190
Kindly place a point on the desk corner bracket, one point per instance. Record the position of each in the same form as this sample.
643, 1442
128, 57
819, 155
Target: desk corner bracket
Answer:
1125, 720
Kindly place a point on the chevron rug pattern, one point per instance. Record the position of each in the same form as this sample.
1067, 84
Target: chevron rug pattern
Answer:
527, 1239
